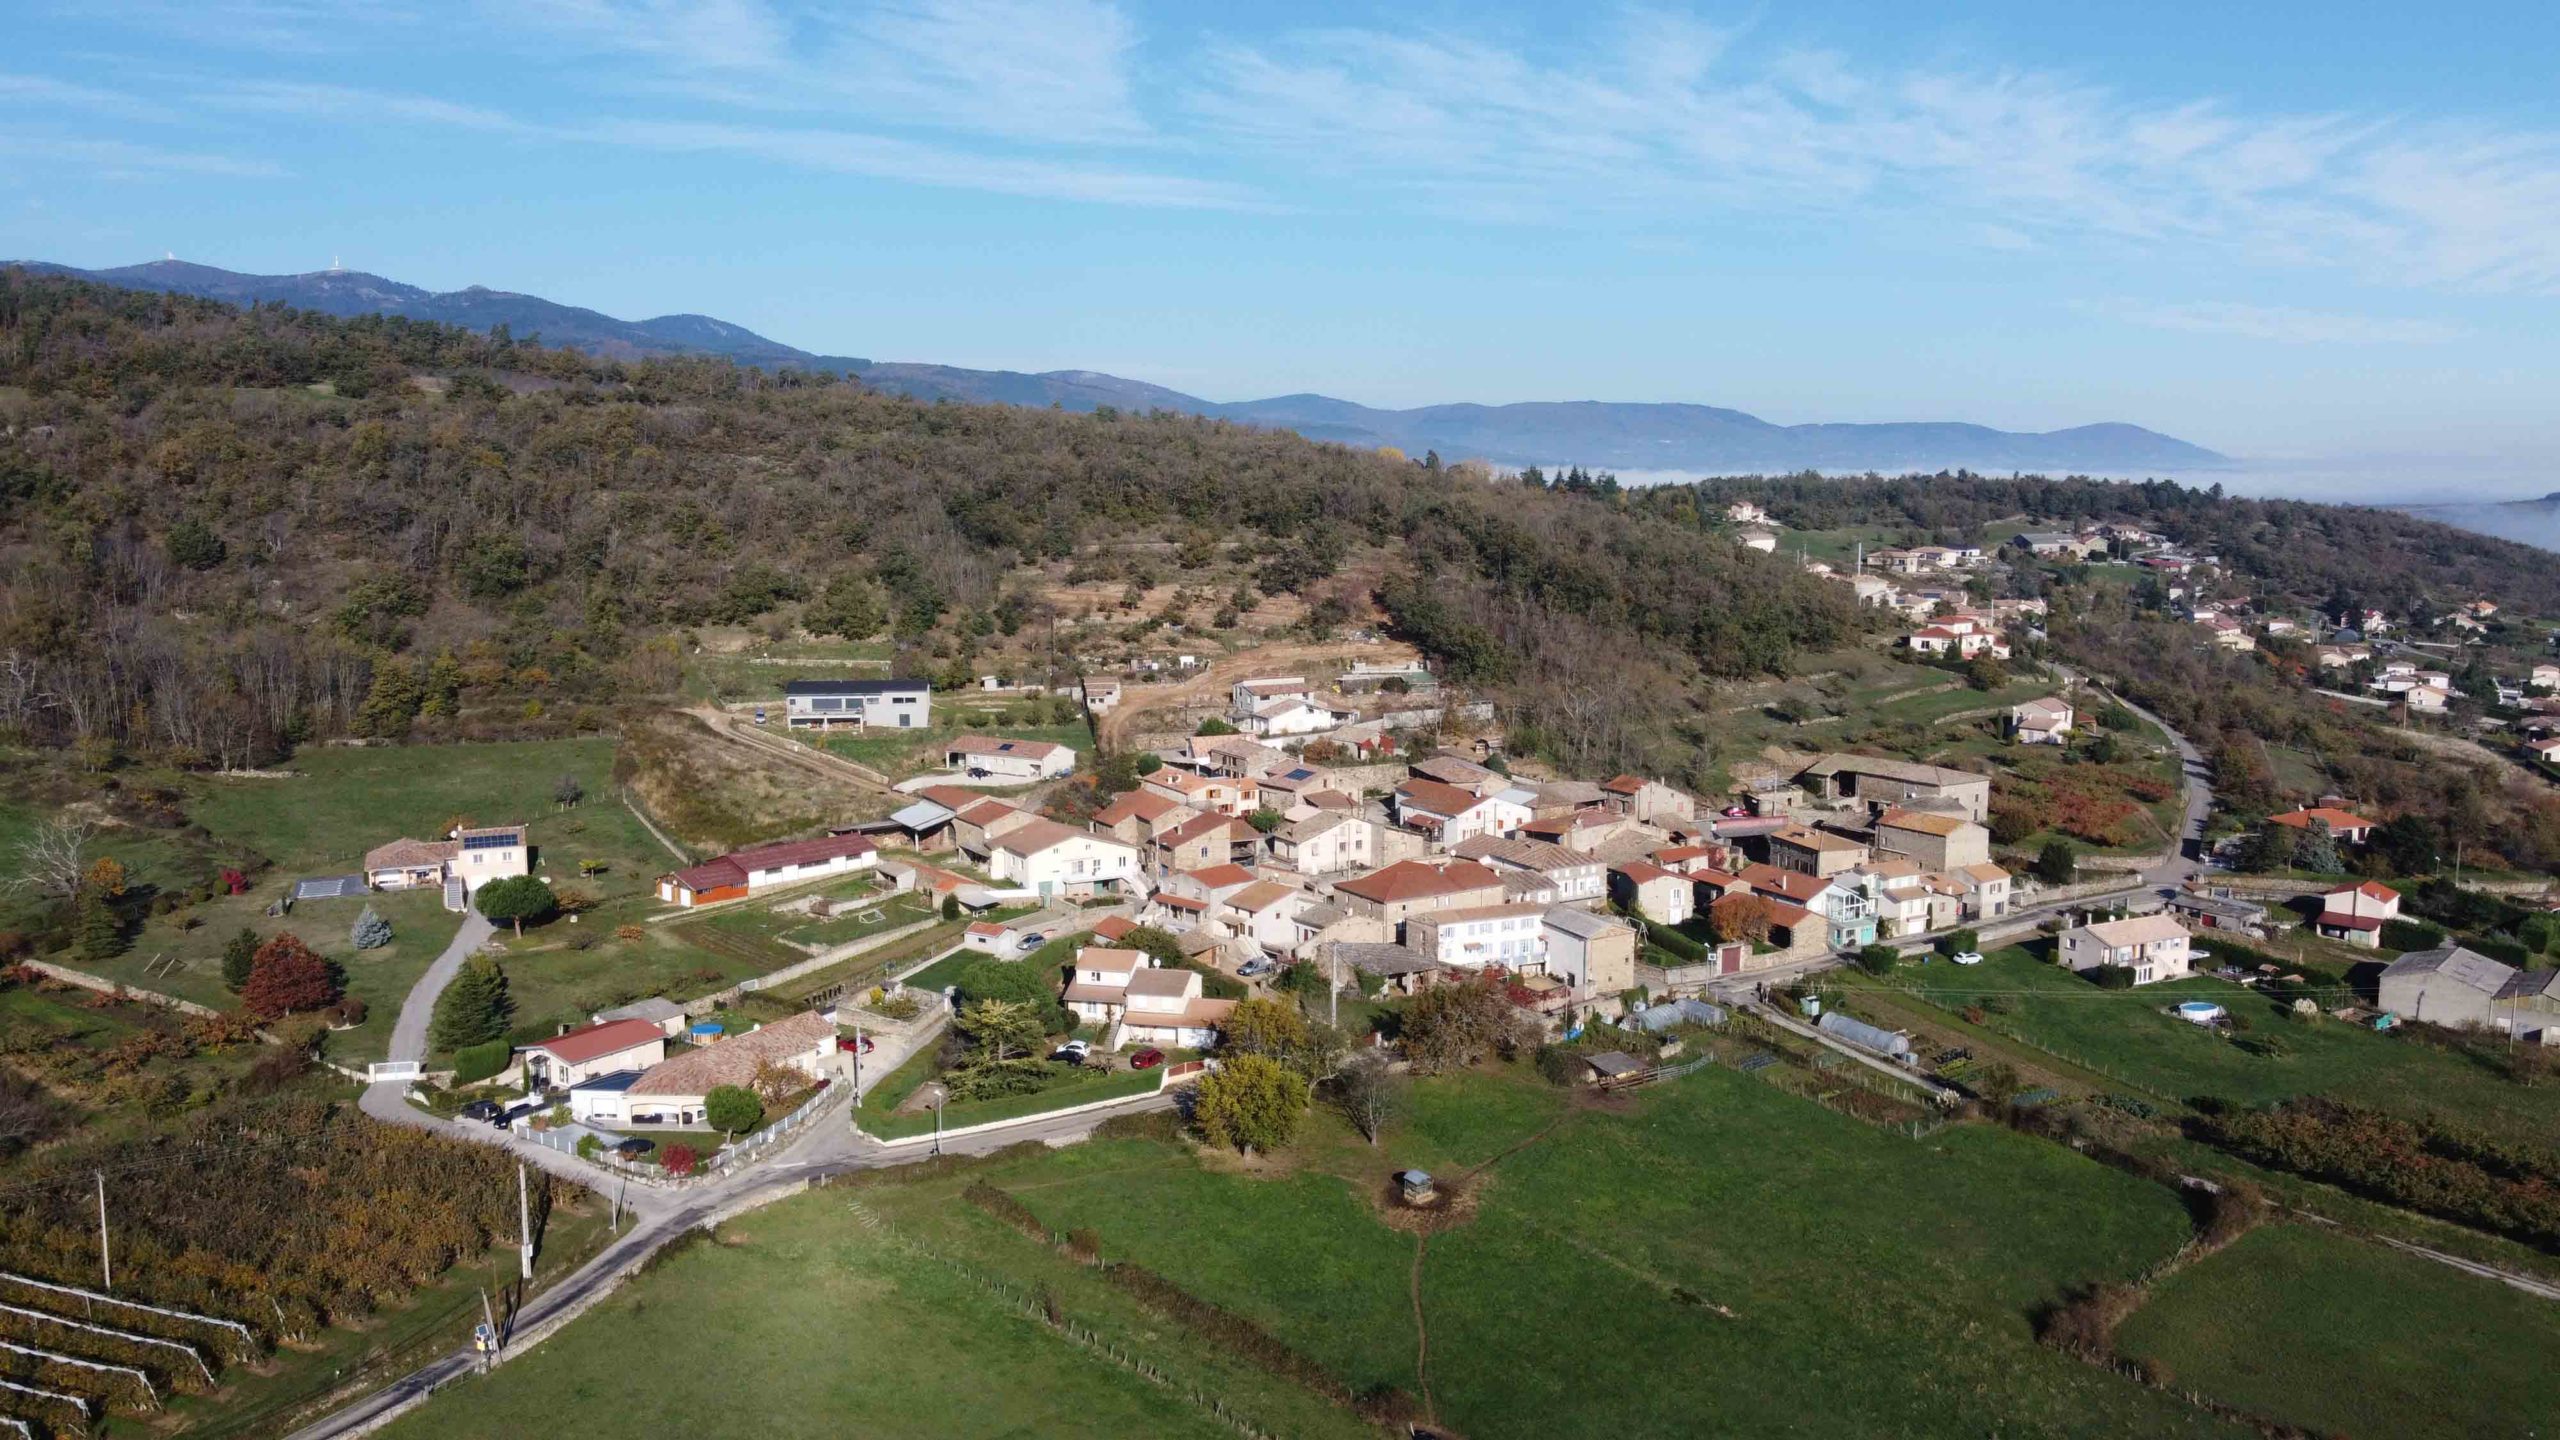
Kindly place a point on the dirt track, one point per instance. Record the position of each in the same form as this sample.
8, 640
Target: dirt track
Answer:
1136, 701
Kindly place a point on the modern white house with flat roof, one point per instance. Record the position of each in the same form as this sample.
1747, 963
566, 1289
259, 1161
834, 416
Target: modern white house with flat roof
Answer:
857, 704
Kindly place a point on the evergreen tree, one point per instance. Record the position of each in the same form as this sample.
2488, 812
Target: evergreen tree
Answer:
475, 1008
2317, 850
239, 956
100, 928
2055, 864
2268, 848
371, 931
517, 899
193, 544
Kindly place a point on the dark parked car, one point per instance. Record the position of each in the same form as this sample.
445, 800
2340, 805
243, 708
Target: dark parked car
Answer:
1146, 1059
487, 1112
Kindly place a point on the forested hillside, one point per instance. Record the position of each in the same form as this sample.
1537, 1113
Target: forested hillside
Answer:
2316, 554
223, 532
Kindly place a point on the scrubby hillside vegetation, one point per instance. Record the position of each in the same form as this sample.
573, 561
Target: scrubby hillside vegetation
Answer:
224, 532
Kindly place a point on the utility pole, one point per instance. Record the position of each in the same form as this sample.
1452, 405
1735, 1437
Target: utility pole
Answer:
485, 1340
937, 1120
524, 1219
857, 1064
1333, 989
106, 1260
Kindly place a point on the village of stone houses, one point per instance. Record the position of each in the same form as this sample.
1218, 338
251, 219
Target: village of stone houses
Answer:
1106, 947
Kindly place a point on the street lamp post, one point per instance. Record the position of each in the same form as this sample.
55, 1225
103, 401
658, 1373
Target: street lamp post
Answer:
939, 1095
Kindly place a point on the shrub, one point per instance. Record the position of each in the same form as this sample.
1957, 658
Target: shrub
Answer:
1559, 1065
733, 1110
1879, 959
1007, 1209
239, 957
370, 932
1251, 1102
1673, 941
589, 1147
679, 1160
2411, 935
473, 1063
1958, 942
1225, 1329
288, 976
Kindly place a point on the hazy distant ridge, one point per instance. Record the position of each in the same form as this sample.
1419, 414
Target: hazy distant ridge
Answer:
1586, 432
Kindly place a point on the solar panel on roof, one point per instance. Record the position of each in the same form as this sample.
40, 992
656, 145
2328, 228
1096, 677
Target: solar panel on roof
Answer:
489, 842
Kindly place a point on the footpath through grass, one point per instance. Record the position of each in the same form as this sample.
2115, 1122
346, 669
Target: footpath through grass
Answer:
2342, 1336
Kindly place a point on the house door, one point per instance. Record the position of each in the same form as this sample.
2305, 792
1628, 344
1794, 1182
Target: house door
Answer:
1732, 963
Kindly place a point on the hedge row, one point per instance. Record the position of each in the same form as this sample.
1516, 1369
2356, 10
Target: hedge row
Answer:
1240, 1336
473, 1063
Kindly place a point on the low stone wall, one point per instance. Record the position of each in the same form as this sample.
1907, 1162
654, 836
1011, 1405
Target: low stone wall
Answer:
1361, 778
105, 986
2078, 890
812, 965
2118, 864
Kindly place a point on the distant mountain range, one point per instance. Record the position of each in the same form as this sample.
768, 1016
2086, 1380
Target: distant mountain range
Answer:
1597, 434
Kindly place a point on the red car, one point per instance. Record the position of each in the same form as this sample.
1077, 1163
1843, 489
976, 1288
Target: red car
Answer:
1146, 1059
845, 1043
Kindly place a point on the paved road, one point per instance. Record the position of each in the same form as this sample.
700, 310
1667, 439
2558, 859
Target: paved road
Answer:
409, 1035
828, 1145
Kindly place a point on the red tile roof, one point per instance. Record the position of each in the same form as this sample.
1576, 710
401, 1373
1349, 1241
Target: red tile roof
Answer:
1218, 877
1436, 798
594, 1042
1420, 880
2337, 819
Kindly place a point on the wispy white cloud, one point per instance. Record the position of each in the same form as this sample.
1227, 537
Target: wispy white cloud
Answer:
1664, 116
46, 92
2277, 323
688, 35
1048, 71
119, 157
892, 158
343, 102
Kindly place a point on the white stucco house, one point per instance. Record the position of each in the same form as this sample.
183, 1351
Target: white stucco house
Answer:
1054, 860
2153, 947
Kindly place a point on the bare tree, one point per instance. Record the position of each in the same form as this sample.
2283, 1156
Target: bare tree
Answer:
54, 860
1367, 1092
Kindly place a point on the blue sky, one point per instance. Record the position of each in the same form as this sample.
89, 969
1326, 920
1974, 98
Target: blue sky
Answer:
2310, 233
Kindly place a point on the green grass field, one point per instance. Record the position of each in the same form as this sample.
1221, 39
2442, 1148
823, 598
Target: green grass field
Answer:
2127, 1036
2342, 1336
1878, 1285
797, 1321
346, 800
914, 752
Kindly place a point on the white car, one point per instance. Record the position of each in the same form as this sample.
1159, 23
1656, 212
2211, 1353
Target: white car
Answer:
1969, 957
1073, 1052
